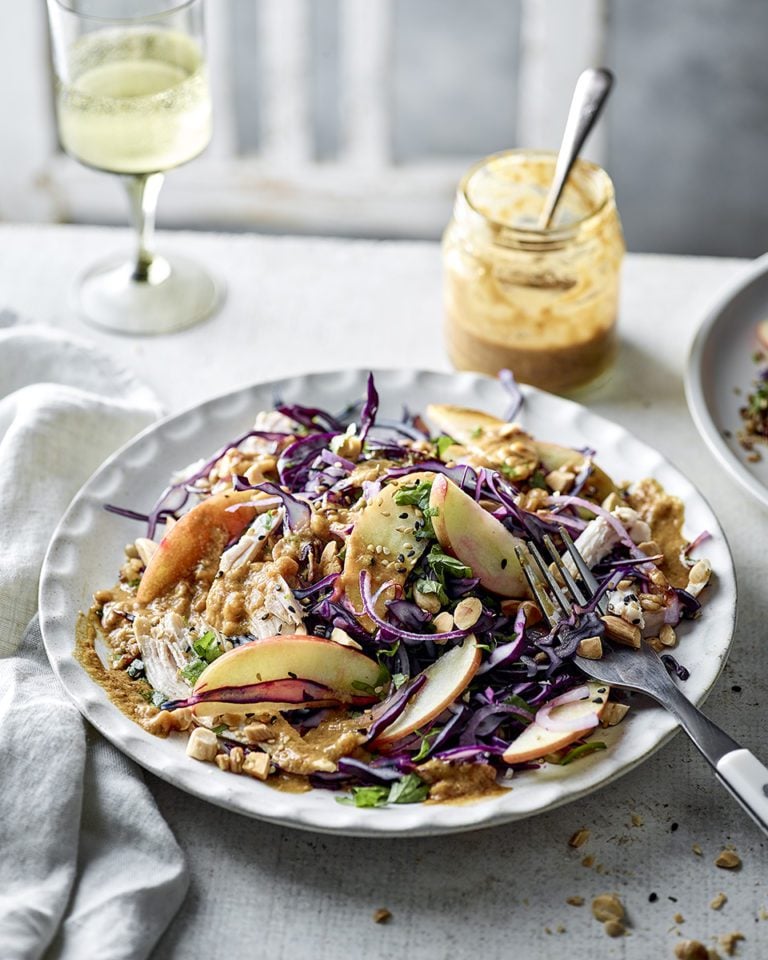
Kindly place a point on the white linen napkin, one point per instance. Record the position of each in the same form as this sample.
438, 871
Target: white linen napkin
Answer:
88, 868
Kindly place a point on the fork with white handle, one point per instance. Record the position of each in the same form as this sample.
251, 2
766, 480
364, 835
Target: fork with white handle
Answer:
736, 768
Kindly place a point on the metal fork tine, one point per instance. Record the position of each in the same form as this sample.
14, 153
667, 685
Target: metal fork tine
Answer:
535, 582
584, 572
576, 592
554, 586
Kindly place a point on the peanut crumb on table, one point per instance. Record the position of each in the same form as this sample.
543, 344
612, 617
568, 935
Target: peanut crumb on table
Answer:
575, 901
679, 918
717, 902
382, 915
728, 860
730, 941
609, 910
614, 928
697, 850
691, 950
637, 820
579, 838
588, 861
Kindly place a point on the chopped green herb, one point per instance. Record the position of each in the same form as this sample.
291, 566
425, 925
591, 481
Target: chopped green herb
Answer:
207, 647
219, 729
418, 496
366, 797
192, 671
442, 564
443, 444
134, 583
388, 651
398, 679
582, 750
423, 585
411, 789
476, 433
514, 701
157, 699
538, 480
426, 743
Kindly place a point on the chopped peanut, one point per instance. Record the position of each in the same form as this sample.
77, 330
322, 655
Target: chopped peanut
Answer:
256, 764
203, 744
621, 631
443, 622
467, 612
258, 733
667, 635
236, 758
591, 648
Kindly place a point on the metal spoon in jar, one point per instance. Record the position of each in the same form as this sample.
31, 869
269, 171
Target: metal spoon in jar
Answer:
589, 96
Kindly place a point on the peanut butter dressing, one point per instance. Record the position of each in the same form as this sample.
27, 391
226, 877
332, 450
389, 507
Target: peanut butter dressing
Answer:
543, 304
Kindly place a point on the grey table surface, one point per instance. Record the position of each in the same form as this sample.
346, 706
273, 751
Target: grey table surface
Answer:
263, 891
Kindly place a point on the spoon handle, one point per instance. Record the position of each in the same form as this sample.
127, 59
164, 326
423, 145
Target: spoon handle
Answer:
591, 91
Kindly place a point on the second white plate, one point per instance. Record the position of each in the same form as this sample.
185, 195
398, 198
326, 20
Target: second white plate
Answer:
86, 551
721, 370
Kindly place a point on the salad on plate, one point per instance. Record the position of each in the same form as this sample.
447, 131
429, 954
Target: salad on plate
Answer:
334, 601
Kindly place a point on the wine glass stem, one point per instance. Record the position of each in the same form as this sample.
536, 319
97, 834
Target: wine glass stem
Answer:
143, 192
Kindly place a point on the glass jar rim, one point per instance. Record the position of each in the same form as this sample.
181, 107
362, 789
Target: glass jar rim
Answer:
532, 234
173, 8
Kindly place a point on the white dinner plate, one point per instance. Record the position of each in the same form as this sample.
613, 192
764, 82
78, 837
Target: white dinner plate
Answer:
721, 370
87, 550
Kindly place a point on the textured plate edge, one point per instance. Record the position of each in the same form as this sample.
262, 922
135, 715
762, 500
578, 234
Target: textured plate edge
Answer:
478, 815
694, 386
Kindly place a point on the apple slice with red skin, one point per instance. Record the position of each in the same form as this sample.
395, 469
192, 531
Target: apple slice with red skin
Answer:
447, 678
472, 428
391, 527
330, 673
208, 523
476, 538
537, 741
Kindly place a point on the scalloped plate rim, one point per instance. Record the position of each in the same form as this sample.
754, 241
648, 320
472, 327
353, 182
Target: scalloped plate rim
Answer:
316, 810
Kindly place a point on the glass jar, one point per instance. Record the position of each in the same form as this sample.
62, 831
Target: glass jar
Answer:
540, 303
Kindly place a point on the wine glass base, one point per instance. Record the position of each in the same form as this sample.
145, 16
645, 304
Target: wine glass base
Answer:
177, 294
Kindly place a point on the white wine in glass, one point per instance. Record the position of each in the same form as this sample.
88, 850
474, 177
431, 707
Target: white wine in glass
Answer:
133, 99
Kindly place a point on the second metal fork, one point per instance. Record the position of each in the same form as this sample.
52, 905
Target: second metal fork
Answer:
641, 669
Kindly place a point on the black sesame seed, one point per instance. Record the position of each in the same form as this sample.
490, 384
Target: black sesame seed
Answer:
400, 558
504, 563
598, 700
636, 621
403, 516
292, 675
736, 688
601, 689
673, 827
653, 897
291, 609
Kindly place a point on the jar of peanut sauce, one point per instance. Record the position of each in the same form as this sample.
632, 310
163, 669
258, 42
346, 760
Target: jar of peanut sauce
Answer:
542, 303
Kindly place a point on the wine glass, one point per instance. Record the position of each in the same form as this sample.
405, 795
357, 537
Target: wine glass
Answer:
132, 98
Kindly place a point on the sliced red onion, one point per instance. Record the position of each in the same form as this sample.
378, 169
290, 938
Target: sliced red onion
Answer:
697, 542
614, 522
369, 609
